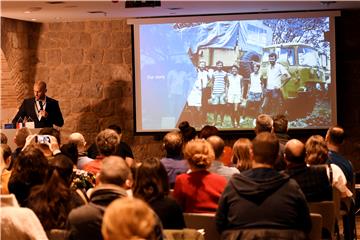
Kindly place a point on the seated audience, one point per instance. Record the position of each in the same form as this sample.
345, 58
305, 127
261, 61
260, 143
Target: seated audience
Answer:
130, 218
79, 140
263, 123
199, 190
151, 184
20, 140
52, 132
123, 149
217, 166
174, 162
334, 139
29, 170
4, 138
242, 151
113, 181
313, 180
188, 132
316, 154
70, 151
106, 142
53, 200
5, 163
261, 197
280, 127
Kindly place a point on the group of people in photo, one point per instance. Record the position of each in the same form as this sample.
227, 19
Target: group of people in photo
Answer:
217, 93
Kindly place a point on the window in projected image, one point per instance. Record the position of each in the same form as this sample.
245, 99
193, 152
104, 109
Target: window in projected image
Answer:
225, 73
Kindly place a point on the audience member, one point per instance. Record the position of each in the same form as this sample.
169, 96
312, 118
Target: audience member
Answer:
70, 151
217, 166
52, 132
313, 180
174, 162
242, 151
261, 197
113, 180
123, 149
152, 185
208, 131
317, 153
17, 222
263, 123
4, 138
280, 128
188, 132
79, 140
29, 170
199, 190
53, 200
20, 140
334, 139
4, 166
130, 218
106, 142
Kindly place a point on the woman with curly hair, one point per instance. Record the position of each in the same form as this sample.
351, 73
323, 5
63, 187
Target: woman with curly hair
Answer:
151, 184
199, 190
241, 156
53, 200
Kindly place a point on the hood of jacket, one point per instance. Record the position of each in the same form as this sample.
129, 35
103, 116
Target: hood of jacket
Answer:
258, 183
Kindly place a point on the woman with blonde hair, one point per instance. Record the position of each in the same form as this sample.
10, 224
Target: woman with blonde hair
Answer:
199, 190
241, 156
131, 219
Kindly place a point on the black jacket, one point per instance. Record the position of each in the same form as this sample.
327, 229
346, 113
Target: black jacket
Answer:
85, 221
262, 198
27, 109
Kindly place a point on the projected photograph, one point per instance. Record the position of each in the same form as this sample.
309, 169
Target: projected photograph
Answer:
225, 73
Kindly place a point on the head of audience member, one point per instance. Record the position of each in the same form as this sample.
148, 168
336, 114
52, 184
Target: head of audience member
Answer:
335, 137
316, 150
116, 128
199, 154
208, 131
173, 143
79, 140
265, 149
280, 124
39, 90
115, 171
188, 132
242, 151
128, 218
5, 157
107, 142
52, 132
151, 180
264, 123
4, 138
294, 152
63, 165
20, 136
70, 150
218, 145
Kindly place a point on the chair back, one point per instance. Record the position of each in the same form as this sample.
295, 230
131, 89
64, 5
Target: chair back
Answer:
316, 222
327, 211
263, 234
183, 234
204, 221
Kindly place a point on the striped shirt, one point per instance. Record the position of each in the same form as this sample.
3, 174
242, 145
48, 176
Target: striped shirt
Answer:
219, 82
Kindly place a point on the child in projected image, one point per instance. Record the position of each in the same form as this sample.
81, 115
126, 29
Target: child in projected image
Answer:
234, 93
255, 93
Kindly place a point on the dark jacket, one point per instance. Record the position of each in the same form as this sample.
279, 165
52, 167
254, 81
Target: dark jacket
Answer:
27, 109
262, 198
85, 221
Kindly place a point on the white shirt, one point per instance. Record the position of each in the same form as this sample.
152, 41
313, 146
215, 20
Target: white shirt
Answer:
234, 84
255, 83
274, 75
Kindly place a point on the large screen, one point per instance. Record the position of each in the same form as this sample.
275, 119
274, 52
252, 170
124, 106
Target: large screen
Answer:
226, 70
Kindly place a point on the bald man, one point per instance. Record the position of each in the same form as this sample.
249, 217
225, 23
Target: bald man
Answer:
313, 180
44, 111
79, 140
217, 166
